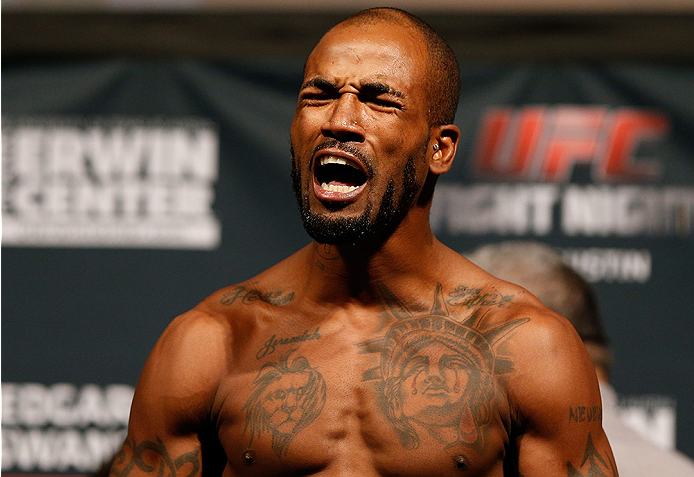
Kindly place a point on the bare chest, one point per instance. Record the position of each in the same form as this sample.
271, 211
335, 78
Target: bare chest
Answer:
421, 396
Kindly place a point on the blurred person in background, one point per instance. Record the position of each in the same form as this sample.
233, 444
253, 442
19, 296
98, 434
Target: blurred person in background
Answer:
540, 269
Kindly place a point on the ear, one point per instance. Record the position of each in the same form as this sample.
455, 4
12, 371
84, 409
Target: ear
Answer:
442, 147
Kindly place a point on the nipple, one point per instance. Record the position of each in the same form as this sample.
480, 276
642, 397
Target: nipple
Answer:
248, 457
460, 462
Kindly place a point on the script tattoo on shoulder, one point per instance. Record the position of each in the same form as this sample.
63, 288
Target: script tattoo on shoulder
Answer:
286, 398
134, 454
249, 295
436, 374
593, 463
471, 297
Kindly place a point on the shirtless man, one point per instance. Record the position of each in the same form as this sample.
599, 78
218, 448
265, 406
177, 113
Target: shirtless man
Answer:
375, 350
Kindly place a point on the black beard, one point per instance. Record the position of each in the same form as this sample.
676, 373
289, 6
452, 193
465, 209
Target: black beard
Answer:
351, 230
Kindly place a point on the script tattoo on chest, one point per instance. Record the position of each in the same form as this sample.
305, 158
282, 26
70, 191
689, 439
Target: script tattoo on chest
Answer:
271, 344
437, 375
287, 396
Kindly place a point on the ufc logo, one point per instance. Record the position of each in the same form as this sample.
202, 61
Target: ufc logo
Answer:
545, 143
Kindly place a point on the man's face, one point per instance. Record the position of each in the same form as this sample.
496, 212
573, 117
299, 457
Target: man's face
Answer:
283, 399
433, 385
360, 131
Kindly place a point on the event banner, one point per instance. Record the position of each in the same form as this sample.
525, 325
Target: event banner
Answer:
131, 190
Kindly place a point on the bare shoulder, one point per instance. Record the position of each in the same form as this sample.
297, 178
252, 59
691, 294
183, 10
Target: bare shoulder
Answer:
551, 366
181, 374
550, 362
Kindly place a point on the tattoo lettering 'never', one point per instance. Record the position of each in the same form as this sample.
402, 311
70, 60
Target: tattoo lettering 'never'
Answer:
585, 414
160, 461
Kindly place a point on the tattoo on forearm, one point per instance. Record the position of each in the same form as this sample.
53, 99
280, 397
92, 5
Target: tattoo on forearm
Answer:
585, 414
593, 463
473, 297
272, 343
248, 296
286, 398
134, 454
437, 374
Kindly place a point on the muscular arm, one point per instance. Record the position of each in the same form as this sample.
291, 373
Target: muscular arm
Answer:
557, 402
168, 431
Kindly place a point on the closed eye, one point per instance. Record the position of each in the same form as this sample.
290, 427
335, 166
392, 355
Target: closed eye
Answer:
383, 103
315, 98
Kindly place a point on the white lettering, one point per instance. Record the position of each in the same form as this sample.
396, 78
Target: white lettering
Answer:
51, 450
610, 265
74, 184
9, 404
61, 427
627, 211
503, 209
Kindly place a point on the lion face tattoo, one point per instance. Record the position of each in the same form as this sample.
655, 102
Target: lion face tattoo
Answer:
286, 398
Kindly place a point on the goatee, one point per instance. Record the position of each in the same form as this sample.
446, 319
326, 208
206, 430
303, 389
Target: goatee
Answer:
352, 230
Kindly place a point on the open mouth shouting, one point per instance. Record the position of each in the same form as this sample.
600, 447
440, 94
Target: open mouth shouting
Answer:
337, 178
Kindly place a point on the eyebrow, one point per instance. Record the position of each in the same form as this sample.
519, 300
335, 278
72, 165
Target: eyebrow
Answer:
374, 88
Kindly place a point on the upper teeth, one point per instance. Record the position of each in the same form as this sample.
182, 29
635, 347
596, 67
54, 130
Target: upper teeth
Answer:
337, 188
332, 160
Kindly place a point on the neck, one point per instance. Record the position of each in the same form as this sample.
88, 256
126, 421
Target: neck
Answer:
354, 272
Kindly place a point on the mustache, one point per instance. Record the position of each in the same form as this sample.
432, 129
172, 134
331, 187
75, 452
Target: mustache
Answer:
349, 148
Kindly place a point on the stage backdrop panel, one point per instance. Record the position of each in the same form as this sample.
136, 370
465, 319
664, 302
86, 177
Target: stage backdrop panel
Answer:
133, 189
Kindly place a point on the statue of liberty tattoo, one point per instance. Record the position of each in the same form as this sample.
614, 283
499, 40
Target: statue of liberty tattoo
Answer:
438, 375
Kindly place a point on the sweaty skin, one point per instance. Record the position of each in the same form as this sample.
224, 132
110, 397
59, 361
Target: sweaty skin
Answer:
386, 353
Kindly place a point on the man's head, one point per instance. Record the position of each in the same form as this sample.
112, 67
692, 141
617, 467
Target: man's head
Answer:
540, 269
372, 125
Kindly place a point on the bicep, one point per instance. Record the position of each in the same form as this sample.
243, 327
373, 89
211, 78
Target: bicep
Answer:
559, 401
171, 405
161, 441
581, 454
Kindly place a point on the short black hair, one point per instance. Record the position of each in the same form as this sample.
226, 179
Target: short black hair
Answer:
443, 71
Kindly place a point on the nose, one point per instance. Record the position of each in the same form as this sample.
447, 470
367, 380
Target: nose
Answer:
433, 379
343, 123
291, 402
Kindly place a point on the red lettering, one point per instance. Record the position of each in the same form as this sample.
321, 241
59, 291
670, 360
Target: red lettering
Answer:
508, 142
544, 143
573, 139
630, 128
